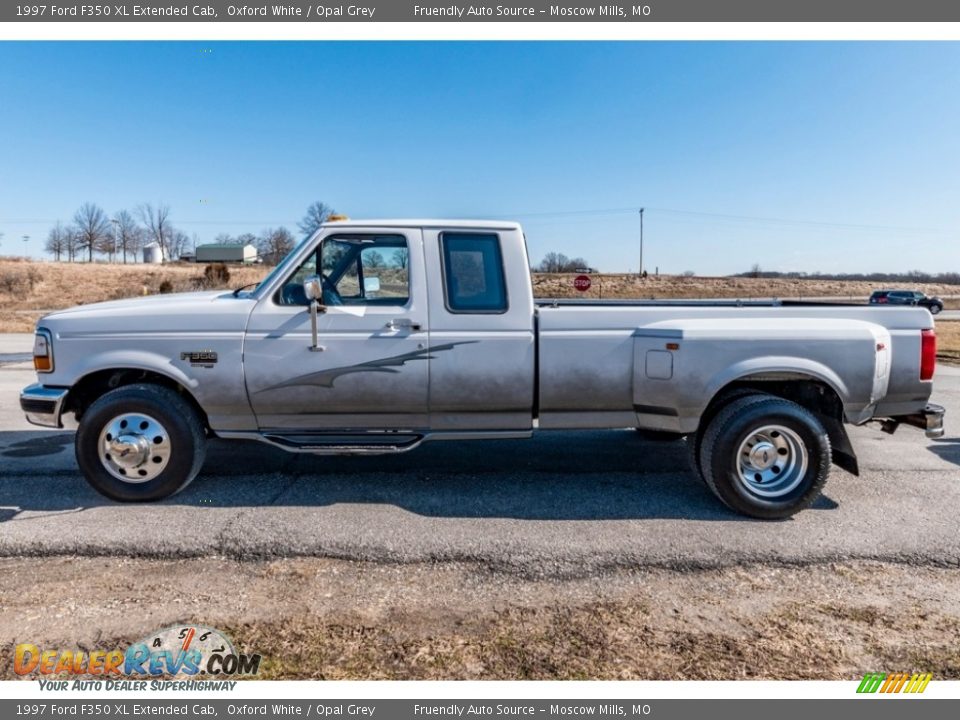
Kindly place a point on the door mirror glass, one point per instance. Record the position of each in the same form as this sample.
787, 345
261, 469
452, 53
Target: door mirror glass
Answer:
371, 285
313, 288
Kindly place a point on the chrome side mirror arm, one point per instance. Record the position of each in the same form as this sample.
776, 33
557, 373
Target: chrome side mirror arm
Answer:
313, 289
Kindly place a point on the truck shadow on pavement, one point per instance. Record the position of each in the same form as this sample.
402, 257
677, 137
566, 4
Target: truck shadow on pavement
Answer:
595, 475
947, 449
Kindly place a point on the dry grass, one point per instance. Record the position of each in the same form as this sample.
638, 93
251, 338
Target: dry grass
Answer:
948, 340
315, 618
28, 289
676, 286
606, 640
597, 641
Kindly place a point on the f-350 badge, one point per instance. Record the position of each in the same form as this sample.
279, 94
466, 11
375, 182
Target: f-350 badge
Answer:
200, 358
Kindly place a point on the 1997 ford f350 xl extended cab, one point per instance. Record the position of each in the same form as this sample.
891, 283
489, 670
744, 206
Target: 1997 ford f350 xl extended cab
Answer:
372, 337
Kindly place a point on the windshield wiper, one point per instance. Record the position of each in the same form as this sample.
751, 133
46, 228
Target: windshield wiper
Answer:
244, 287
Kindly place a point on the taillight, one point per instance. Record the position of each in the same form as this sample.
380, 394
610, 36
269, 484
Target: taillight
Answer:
882, 300
928, 354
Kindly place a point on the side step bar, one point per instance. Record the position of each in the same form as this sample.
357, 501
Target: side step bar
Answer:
345, 444
364, 443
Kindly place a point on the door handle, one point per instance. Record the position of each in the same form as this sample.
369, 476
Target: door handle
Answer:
403, 324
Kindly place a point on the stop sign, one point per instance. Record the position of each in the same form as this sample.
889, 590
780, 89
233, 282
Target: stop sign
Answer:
582, 282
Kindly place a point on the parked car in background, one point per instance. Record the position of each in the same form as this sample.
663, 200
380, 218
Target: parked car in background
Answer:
906, 297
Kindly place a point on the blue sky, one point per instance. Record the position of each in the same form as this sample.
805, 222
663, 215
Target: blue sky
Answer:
806, 156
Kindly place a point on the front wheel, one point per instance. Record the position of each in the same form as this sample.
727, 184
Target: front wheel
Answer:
140, 443
765, 457
935, 309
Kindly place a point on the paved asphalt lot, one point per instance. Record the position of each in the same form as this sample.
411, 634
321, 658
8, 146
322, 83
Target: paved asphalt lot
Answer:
563, 504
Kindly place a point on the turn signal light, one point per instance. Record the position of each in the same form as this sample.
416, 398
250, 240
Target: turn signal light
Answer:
928, 354
42, 353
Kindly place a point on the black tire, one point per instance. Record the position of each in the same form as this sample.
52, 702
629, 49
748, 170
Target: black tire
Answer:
935, 309
658, 435
805, 448
695, 440
180, 430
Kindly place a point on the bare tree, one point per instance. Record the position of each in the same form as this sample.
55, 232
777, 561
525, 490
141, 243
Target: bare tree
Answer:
92, 227
246, 239
554, 262
129, 234
274, 244
156, 221
179, 242
71, 239
57, 241
400, 258
225, 239
316, 215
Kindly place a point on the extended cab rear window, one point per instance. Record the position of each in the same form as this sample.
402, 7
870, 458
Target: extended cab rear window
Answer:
473, 273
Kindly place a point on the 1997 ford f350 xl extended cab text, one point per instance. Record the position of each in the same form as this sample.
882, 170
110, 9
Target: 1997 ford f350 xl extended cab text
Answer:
372, 337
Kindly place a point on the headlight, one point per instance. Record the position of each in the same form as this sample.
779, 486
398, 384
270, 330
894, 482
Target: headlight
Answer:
43, 352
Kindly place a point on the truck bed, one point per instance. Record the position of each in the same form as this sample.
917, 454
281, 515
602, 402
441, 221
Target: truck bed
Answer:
589, 352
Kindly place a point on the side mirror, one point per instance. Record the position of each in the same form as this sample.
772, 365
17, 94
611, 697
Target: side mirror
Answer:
313, 287
371, 284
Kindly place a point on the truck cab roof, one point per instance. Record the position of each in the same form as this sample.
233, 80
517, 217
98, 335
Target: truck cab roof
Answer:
426, 223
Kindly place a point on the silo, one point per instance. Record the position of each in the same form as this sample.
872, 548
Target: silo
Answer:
152, 253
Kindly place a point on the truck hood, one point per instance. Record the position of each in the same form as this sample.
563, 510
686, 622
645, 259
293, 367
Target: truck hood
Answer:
137, 304
214, 311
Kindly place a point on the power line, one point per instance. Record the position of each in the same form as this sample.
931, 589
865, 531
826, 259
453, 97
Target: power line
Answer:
725, 216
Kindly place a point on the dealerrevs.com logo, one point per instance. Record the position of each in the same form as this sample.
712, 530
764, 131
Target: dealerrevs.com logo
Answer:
179, 650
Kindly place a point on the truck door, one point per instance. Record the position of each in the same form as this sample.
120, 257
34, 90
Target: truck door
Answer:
370, 370
482, 370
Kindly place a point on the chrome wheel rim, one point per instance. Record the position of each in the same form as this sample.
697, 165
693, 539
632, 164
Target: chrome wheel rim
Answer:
771, 461
134, 447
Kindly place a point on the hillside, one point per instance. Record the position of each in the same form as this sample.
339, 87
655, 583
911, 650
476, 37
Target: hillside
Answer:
28, 289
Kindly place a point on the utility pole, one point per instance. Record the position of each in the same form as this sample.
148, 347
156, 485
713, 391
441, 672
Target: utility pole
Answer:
641, 242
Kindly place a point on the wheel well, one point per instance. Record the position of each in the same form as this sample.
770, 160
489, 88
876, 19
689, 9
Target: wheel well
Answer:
813, 394
90, 387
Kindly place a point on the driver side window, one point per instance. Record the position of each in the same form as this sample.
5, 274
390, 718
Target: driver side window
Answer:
355, 270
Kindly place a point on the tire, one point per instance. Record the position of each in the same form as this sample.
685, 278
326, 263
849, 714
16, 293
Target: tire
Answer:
658, 435
935, 309
695, 440
140, 443
765, 457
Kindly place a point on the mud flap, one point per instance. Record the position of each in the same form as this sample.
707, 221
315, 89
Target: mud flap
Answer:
842, 452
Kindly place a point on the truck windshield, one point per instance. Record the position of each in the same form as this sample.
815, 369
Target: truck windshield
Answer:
283, 265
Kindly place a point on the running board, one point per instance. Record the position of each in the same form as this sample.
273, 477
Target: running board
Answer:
344, 443
364, 443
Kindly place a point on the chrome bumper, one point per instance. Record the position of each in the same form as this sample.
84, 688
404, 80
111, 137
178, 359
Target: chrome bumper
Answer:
43, 405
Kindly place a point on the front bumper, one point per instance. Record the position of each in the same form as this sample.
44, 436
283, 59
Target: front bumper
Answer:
930, 420
43, 405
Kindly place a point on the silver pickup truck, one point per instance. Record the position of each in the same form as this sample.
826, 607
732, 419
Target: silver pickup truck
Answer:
373, 337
